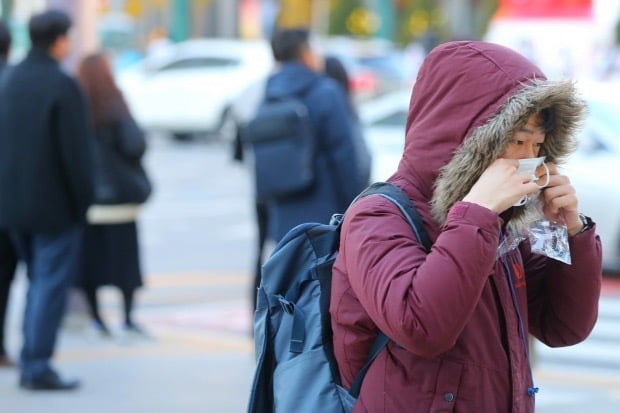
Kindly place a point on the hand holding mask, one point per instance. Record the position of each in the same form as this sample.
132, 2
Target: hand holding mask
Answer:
530, 166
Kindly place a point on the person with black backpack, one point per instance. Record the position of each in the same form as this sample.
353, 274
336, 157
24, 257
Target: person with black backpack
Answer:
458, 318
302, 139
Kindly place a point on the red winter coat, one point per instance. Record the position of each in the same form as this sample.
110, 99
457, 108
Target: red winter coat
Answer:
457, 316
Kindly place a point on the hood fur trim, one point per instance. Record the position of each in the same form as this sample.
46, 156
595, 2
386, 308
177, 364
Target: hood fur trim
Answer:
489, 141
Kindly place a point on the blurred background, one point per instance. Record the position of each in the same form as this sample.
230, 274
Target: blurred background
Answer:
193, 72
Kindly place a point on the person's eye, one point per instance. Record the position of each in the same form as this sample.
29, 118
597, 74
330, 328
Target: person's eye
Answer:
539, 144
517, 142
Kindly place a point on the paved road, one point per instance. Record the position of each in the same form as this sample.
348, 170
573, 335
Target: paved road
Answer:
584, 377
197, 235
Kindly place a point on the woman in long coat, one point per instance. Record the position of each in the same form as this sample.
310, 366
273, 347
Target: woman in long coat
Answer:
111, 249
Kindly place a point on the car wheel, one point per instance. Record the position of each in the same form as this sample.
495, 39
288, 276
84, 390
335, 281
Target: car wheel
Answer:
182, 136
227, 130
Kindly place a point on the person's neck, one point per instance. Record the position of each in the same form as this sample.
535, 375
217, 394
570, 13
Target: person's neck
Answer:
52, 52
55, 55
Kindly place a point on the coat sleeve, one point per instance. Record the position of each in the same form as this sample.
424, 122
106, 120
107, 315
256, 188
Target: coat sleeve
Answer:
563, 299
131, 142
75, 144
337, 134
422, 302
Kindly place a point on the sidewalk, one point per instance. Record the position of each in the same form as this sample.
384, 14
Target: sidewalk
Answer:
201, 357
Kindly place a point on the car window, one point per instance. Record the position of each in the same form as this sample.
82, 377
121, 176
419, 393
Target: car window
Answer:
200, 63
390, 64
592, 141
606, 115
602, 129
398, 119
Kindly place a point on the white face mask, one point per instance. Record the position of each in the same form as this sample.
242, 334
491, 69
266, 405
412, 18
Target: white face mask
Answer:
529, 166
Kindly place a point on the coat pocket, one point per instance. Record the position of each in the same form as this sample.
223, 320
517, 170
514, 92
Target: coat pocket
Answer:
447, 387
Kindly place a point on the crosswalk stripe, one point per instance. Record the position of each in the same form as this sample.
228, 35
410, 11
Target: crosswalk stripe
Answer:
598, 352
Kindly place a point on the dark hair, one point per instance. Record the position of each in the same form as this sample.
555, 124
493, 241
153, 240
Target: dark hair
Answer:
105, 99
548, 119
46, 27
336, 70
5, 39
288, 44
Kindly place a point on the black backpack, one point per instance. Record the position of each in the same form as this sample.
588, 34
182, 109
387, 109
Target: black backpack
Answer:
296, 370
281, 136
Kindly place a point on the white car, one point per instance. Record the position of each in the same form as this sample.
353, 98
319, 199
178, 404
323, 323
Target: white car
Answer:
198, 86
593, 169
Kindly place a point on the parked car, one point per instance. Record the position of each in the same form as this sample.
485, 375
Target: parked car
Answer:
196, 86
375, 66
593, 169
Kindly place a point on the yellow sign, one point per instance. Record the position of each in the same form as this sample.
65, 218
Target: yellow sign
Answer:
133, 7
295, 13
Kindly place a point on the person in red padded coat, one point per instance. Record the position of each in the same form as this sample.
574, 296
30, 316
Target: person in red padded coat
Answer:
458, 317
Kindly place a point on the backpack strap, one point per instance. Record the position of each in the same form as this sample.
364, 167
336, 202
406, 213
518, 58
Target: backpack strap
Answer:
378, 345
401, 200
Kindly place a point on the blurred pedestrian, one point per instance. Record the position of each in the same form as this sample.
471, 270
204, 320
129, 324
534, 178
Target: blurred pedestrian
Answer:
334, 164
5, 44
111, 250
337, 71
300, 74
45, 186
458, 316
8, 255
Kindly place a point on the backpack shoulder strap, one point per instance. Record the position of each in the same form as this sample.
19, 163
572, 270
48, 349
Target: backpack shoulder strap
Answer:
402, 201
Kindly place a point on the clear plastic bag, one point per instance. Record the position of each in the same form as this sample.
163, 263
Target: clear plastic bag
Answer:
510, 240
548, 238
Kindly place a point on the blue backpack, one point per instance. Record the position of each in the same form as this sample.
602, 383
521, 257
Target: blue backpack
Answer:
296, 370
284, 146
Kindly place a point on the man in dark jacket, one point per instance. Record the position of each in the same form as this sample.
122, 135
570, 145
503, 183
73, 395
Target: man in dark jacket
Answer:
8, 256
459, 316
335, 166
45, 186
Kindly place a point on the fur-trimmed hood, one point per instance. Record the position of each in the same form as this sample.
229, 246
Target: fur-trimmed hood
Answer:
468, 99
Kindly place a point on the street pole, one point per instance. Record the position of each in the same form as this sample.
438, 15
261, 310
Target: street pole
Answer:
7, 7
180, 20
458, 13
320, 17
387, 17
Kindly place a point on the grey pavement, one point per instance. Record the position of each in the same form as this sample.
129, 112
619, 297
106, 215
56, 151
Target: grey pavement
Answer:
197, 235
197, 238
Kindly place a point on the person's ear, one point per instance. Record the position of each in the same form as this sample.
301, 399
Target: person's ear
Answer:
312, 60
60, 48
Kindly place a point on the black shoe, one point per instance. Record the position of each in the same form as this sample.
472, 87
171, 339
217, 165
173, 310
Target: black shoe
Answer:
101, 329
6, 362
131, 330
50, 381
